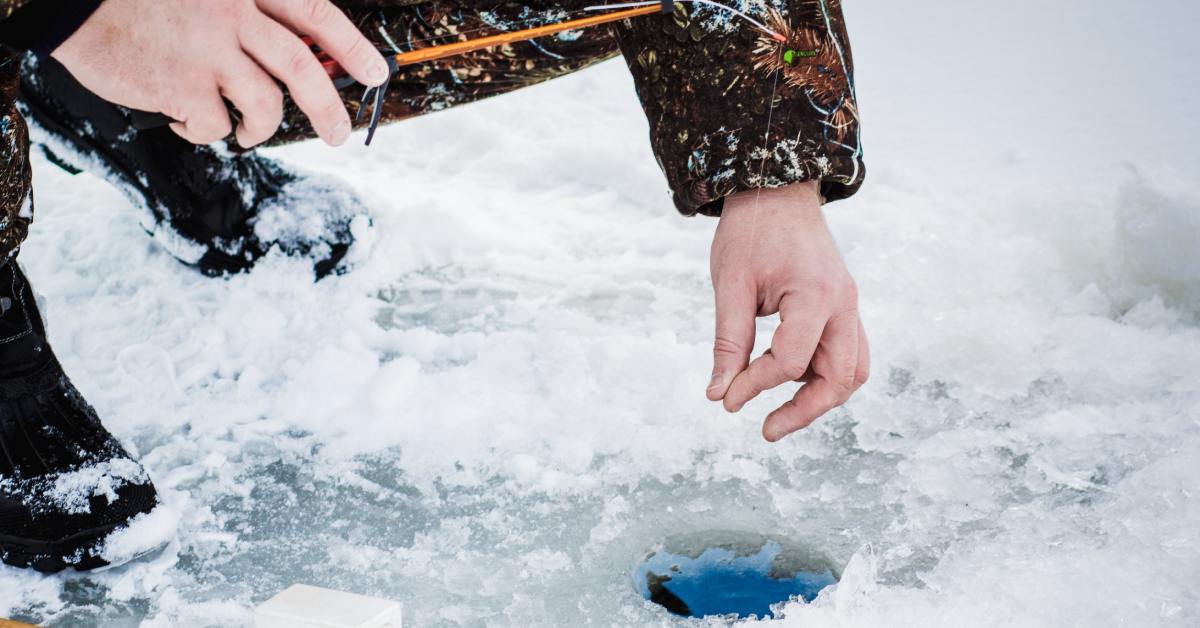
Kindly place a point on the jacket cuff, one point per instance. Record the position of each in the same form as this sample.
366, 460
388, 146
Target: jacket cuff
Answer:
41, 26
725, 163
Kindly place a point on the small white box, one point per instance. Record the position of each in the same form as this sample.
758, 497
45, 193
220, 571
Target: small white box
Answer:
302, 606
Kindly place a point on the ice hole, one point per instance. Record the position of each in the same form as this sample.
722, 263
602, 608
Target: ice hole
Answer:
731, 573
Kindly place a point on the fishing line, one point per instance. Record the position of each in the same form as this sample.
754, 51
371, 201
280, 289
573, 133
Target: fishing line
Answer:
630, 5
599, 15
762, 168
508, 26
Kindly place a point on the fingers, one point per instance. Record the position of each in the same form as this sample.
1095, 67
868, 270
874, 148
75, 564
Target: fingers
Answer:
205, 121
281, 53
834, 379
862, 371
837, 355
736, 309
811, 401
792, 348
258, 99
334, 32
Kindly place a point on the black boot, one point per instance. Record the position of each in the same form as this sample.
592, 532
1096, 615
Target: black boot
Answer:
65, 483
214, 209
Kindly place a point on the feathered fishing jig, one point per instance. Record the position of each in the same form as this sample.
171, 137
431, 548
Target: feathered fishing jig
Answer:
807, 59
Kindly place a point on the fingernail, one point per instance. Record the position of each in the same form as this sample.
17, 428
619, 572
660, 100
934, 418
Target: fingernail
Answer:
378, 72
715, 381
341, 133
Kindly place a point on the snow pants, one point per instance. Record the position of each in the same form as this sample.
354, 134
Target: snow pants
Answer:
729, 107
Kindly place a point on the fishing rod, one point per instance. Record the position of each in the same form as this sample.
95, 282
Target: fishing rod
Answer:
376, 96
433, 53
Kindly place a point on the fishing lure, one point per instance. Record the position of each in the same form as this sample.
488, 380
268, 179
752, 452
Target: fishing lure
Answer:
809, 59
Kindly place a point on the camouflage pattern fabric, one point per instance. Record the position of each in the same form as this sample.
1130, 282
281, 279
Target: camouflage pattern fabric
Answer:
8, 6
729, 108
16, 193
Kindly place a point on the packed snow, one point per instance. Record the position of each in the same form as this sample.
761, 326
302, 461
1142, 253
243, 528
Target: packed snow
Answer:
496, 414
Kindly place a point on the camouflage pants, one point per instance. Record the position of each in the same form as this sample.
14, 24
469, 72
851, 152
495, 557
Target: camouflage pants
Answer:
729, 108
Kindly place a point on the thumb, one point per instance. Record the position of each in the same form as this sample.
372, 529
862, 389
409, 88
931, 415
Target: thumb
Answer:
736, 308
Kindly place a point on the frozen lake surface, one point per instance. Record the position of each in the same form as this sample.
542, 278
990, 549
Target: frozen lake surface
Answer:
496, 415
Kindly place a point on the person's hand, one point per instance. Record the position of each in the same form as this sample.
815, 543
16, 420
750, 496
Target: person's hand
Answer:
773, 253
180, 57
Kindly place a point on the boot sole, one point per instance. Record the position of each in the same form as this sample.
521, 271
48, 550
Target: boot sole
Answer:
78, 551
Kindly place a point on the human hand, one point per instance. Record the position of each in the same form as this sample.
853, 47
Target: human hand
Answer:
774, 254
180, 57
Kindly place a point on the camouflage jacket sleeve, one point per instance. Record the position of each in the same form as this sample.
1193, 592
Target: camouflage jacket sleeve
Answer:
41, 25
732, 108
7, 7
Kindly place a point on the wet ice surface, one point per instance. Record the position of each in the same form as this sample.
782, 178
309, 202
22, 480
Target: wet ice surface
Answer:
495, 416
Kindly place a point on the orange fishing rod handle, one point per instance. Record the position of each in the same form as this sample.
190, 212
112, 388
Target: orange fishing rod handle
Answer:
449, 50
331, 66
432, 53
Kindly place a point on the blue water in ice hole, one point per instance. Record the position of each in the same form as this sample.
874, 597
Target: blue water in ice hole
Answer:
720, 582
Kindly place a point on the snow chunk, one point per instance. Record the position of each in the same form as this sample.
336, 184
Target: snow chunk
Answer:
72, 491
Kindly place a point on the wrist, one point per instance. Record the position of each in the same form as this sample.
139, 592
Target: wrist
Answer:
800, 200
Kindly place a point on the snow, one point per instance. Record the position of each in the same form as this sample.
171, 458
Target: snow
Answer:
71, 492
141, 536
496, 414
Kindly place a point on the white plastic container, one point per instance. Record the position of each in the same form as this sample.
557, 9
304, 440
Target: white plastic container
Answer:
303, 606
